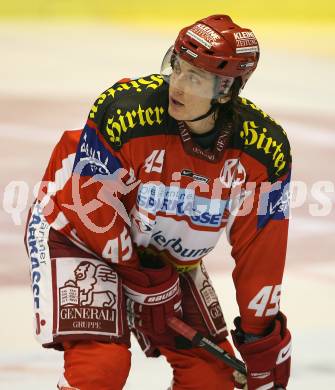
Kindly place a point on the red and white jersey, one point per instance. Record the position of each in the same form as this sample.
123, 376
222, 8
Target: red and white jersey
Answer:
134, 181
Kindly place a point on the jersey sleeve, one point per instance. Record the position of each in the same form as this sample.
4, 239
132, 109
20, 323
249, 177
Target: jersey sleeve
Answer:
258, 230
83, 192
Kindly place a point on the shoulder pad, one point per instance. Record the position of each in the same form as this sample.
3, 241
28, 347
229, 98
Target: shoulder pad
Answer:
263, 138
132, 108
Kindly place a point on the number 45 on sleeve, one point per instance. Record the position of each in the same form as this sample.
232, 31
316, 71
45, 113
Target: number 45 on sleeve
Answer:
268, 295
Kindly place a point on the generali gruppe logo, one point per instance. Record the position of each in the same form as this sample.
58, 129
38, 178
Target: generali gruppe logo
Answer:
88, 281
88, 300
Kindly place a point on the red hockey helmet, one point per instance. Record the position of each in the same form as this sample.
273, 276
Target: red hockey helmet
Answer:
218, 45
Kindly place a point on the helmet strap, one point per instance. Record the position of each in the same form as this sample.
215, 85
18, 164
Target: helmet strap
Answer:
214, 106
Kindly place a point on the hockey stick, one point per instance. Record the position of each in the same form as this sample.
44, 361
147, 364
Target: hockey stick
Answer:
199, 340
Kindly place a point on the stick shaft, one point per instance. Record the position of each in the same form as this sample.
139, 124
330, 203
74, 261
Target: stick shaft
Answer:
199, 340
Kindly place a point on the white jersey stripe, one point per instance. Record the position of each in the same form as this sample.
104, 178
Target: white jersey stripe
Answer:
63, 174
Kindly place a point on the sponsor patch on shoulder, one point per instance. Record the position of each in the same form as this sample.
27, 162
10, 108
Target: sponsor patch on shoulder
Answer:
93, 156
275, 203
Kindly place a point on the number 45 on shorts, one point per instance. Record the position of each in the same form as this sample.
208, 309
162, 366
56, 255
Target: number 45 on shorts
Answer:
267, 296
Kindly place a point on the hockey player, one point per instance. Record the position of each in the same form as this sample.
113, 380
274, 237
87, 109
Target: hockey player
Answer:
130, 206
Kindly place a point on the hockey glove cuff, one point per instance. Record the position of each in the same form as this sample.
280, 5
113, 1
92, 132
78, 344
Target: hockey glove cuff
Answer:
152, 296
268, 359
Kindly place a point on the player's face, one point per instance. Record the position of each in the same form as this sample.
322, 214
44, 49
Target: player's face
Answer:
191, 90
